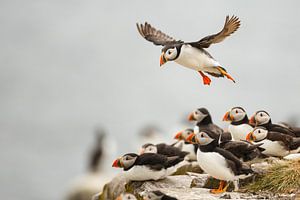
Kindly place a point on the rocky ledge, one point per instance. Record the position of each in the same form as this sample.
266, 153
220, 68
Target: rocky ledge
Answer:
195, 186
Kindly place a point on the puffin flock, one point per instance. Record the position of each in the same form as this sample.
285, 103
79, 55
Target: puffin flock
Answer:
223, 155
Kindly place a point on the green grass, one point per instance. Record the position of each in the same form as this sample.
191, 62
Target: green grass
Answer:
280, 178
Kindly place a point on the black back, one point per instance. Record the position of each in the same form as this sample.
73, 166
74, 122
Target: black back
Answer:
169, 150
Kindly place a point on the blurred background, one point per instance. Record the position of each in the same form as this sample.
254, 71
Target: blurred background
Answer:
69, 68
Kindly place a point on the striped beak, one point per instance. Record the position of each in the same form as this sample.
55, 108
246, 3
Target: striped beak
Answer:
178, 136
228, 117
117, 163
162, 59
252, 120
191, 138
191, 117
250, 137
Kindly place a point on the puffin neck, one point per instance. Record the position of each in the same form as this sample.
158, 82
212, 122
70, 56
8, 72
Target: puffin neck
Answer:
210, 147
267, 125
245, 120
207, 120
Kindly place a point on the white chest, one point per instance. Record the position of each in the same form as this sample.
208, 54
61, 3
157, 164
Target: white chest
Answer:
239, 132
273, 148
191, 149
215, 165
142, 173
194, 58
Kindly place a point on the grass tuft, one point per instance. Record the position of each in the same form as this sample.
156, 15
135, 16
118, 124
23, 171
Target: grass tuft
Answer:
280, 178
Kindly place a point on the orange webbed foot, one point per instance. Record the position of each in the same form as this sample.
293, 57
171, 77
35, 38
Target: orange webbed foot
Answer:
206, 79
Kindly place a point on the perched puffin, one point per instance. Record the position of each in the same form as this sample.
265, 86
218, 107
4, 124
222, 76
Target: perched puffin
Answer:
126, 196
203, 120
187, 146
191, 54
217, 162
148, 166
157, 195
262, 118
163, 149
166, 150
274, 143
239, 123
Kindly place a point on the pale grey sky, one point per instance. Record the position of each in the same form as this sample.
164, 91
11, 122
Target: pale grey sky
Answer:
67, 66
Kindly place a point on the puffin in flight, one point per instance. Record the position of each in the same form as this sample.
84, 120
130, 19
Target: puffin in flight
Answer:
191, 54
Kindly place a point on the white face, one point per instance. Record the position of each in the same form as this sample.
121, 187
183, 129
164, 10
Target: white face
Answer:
150, 149
237, 114
259, 134
170, 54
199, 116
203, 138
186, 133
128, 160
262, 117
127, 196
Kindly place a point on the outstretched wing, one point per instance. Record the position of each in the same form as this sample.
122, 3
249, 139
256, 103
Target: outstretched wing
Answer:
155, 36
231, 25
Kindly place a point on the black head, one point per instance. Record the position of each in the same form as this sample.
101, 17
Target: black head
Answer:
170, 53
201, 115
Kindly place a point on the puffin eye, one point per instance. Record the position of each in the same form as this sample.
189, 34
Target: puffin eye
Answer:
261, 114
236, 111
258, 131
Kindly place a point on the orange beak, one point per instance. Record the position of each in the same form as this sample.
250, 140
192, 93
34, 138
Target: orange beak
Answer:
191, 138
250, 137
228, 117
119, 197
142, 151
178, 136
252, 120
117, 163
162, 59
191, 117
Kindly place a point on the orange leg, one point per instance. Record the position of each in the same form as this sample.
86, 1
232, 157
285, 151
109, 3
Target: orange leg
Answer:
222, 188
206, 79
225, 74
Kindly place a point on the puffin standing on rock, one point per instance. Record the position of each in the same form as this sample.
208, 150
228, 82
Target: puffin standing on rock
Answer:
274, 143
191, 54
262, 118
217, 162
148, 166
203, 120
239, 123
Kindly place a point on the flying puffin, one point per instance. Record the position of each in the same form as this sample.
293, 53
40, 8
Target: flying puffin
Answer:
126, 196
191, 54
274, 143
148, 166
239, 125
262, 118
157, 195
187, 146
217, 162
204, 121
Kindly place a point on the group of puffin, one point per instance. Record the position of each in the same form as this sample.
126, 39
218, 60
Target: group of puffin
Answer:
221, 154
